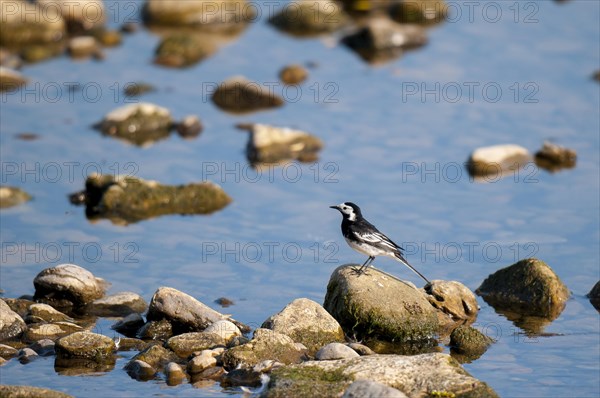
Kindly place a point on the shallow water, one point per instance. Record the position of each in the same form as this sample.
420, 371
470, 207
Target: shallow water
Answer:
396, 152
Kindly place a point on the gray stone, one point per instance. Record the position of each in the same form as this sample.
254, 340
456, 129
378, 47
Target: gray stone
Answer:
189, 127
594, 296
47, 313
7, 351
139, 370
185, 344
11, 324
86, 345
131, 344
361, 349
27, 355
44, 347
456, 304
52, 331
183, 49
224, 328
70, 282
335, 351
156, 356
265, 344
19, 305
30, 392
82, 46
11, 196
371, 389
29, 24
185, 312
376, 306
200, 362
118, 304
416, 376
174, 374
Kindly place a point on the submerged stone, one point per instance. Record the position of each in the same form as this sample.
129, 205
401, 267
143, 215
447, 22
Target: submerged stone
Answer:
118, 304
240, 95
126, 199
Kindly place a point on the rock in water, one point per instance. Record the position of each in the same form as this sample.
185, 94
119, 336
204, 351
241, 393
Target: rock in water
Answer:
594, 296
468, 344
375, 306
425, 12
456, 303
496, 160
529, 287
28, 391
553, 157
293, 74
12, 196
10, 80
11, 324
183, 49
306, 322
118, 304
68, 283
240, 95
309, 17
86, 345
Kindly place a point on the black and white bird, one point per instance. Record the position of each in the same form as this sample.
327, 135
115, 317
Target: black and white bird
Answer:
363, 237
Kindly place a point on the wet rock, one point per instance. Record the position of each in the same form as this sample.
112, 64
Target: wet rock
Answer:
528, 287
200, 362
27, 355
220, 15
80, 15
242, 377
139, 124
293, 74
119, 304
136, 89
156, 356
214, 373
554, 157
125, 199
456, 303
335, 351
86, 345
225, 329
47, 314
368, 388
185, 344
265, 344
181, 50
156, 330
174, 374
131, 344
382, 39
189, 127
306, 322
240, 95
496, 160
224, 302
139, 370
44, 347
11, 324
422, 375
19, 305
594, 296
68, 282
361, 349
10, 80
375, 306
30, 392
185, 312
309, 17
26, 24
129, 325
82, 366
425, 12
269, 144
7, 351
469, 343
52, 331
12, 196
82, 46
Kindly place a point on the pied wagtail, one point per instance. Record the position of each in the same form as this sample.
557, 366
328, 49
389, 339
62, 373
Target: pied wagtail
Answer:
363, 237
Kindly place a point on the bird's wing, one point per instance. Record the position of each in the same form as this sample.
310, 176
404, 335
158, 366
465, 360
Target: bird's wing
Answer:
377, 238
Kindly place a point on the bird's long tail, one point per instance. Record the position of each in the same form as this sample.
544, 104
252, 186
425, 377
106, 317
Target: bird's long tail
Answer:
401, 258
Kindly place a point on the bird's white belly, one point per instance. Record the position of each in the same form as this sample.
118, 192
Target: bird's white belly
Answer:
366, 249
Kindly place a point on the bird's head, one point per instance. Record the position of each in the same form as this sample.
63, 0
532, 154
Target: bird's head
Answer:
349, 210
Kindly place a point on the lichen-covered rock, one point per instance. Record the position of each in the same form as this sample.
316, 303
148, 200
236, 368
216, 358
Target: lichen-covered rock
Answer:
210, 15
52, 331
293, 74
126, 199
425, 12
369, 388
30, 392
306, 322
224, 328
469, 343
11, 324
156, 330
422, 375
185, 344
140, 123
240, 95
456, 303
183, 49
68, 282
118, 304
554, 157
86, 345
80, 15
382, 39
265, 344
12, 196
10, 80
269, 144
497, 159
185, 312
309, 17
335, 351
156, 356
375, 306
528, 287
594, 296
43, 312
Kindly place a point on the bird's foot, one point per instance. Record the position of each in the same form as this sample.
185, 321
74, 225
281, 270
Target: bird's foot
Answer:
359, 271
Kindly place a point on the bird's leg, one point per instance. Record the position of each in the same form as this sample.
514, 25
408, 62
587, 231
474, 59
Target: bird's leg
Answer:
365, 265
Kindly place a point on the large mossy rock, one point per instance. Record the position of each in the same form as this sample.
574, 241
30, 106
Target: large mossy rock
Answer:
529, 287
375, 306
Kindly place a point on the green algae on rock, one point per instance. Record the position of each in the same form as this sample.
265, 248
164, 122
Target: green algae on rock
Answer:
86, 345
468, 343
126, 199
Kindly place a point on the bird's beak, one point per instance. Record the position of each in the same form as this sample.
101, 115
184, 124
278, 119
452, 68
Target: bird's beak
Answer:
335, 207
